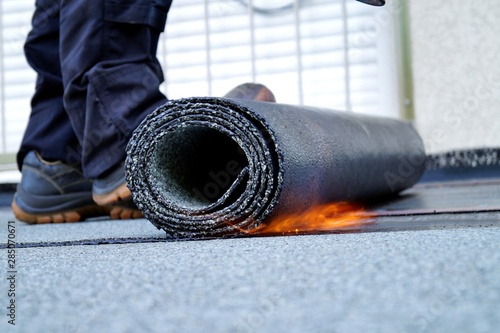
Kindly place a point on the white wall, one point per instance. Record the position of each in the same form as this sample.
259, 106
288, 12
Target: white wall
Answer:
455, 46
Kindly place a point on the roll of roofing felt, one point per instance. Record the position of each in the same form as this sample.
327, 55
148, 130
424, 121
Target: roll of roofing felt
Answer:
215, 166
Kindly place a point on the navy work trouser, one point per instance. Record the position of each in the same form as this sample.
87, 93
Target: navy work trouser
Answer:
98, 77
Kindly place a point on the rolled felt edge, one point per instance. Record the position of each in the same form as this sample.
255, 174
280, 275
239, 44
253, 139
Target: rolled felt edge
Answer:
183, 208
256, 191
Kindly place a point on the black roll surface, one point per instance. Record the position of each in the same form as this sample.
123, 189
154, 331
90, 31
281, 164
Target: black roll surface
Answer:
215, 166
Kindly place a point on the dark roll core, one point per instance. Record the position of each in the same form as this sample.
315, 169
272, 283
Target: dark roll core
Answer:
191, 162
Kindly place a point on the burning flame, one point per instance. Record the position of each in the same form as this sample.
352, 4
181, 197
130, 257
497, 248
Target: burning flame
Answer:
326, 217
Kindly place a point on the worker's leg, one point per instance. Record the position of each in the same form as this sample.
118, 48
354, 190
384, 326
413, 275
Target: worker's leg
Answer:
101, 57
111, 76
49, 130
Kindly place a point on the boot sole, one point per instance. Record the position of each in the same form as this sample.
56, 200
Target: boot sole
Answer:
119, 202
69, 216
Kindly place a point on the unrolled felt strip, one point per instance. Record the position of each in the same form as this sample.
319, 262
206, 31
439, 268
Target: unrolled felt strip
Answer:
203, 167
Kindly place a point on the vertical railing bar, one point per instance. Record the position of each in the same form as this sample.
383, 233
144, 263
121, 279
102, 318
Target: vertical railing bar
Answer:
2, 85
251, 14
207, 48
296, 9
347, 77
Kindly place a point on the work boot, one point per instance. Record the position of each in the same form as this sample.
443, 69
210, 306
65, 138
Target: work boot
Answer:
53, 192
111, 191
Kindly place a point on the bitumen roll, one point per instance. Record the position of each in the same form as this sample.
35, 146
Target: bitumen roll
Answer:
205, 167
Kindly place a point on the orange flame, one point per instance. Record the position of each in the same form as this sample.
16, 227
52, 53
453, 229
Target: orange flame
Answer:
326, 217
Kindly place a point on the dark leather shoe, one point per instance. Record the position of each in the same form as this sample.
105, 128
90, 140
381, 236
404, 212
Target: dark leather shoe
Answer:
53, 192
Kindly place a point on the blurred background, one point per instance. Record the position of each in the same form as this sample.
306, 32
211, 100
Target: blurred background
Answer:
434, 63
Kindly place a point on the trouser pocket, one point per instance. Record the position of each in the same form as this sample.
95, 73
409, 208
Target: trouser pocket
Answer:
149, 12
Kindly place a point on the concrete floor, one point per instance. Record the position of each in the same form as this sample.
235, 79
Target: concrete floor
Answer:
124, 276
